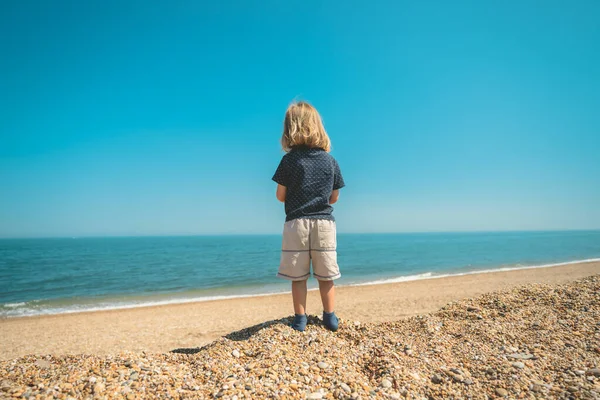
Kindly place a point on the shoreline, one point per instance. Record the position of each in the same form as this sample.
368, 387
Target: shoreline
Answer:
162, 328
403, 278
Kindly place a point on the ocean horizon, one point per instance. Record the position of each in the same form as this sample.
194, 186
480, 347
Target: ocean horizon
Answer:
227, 234
41, 276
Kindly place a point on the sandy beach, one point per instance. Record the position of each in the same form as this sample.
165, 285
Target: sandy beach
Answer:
161, 329
534, 340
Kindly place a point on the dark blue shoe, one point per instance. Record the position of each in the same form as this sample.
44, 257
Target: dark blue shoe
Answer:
330, 320
299, 323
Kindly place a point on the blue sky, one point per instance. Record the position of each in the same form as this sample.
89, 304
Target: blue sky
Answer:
138, 118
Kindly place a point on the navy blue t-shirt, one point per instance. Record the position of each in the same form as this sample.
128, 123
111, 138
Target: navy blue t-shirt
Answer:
310, 175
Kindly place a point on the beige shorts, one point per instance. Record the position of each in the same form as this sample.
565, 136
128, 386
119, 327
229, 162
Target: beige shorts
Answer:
306, 240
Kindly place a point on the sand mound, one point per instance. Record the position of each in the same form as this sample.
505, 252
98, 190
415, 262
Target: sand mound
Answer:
536, 340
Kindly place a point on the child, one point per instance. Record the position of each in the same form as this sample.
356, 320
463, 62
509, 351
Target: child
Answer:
308, 180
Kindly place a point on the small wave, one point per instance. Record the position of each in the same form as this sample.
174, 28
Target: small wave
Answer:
406, 278
77, 308
431, 275
13, 305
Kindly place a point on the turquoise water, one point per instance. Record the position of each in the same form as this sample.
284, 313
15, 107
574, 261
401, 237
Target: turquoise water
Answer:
46, 276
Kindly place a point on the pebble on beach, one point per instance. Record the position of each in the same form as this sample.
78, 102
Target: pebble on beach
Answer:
451, 353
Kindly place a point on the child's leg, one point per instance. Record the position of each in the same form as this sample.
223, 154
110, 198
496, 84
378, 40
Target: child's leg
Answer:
295, 266
327, 290
325, 267
299, 296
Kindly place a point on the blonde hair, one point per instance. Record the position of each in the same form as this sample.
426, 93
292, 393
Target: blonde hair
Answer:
302, 126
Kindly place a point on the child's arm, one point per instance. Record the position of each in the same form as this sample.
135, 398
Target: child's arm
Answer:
281, 192
338, 183
335, 195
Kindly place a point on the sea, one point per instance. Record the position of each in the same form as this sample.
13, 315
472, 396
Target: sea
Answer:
66, 275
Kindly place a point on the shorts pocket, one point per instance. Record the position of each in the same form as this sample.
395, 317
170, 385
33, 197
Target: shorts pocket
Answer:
326, 231
295, 235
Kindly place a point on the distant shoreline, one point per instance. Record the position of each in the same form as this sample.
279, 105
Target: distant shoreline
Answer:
185, 300
163, 328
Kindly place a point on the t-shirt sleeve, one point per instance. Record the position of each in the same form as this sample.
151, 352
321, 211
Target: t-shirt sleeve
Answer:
338, 179
282, 173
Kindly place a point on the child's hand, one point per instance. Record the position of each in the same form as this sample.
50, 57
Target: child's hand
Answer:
281, 192
335, 195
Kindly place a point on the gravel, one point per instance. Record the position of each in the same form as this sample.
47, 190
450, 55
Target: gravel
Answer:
454, 354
